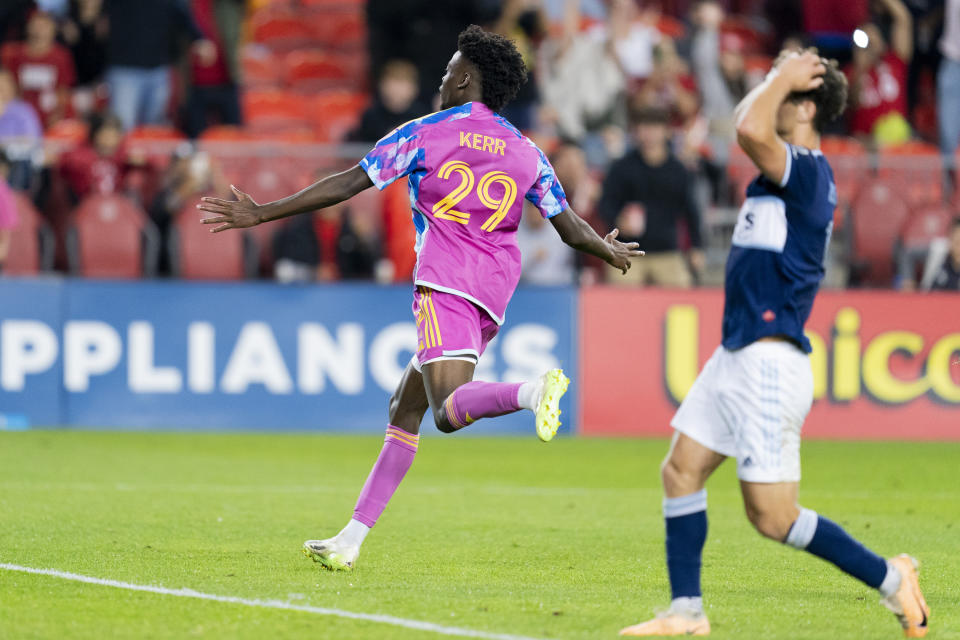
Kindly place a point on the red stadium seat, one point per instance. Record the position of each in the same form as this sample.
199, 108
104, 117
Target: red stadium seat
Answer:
303, 135
72, 131
311, 71
336, 113
281, 31
31, 247
197, 254
740, 171
917, 165
849, 162
275, 110
877, 216
265, 179
343, 30
924, 224
156, 132
111, 237
400, 233
262, 69
226, 132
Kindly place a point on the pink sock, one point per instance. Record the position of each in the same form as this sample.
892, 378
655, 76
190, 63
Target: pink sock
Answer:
475, 400
399, 448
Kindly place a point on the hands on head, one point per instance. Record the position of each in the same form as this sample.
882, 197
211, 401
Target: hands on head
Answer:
802, 70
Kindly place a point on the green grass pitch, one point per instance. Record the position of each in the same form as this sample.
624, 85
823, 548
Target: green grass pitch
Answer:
503, 535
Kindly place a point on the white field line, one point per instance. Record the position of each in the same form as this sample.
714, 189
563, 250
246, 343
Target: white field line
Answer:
270, 604
507, 490
221, 488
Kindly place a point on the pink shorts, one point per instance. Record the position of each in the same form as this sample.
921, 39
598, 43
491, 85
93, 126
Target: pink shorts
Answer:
449, 327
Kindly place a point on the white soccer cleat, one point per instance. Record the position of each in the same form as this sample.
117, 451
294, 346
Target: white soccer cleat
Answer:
332, 553
908, 603
672, 623
553, 384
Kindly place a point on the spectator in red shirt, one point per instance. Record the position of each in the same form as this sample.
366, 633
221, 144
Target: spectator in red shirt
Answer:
100, 165
215, 74
878, 78
43, 69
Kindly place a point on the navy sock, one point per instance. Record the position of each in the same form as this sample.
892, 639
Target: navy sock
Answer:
686, 521
826, 539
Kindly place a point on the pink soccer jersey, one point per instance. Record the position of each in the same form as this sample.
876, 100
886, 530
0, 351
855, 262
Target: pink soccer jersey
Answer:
467, 167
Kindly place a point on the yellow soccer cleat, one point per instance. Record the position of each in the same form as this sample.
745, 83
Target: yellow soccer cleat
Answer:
553, 385
671, 624
331, 554
908, 603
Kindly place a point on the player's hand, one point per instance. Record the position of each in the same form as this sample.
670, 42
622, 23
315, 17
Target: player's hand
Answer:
620, 252
802, 71
231, 214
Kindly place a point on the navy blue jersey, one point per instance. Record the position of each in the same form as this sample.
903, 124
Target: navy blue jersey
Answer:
780, 242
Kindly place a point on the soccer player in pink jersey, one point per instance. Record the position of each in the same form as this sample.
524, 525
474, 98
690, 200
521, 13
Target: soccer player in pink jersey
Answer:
469, 172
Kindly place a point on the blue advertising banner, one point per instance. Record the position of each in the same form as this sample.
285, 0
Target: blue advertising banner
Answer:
31, 319
155, 355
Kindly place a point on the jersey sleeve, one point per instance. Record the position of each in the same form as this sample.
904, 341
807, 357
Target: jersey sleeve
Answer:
546, 193
397, 154
801, 172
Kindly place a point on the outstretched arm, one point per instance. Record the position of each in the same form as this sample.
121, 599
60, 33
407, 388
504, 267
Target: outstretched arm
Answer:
575, 231
901, 31
756, 115
244, 212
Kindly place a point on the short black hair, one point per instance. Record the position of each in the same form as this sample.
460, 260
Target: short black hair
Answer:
830, 97
502, 69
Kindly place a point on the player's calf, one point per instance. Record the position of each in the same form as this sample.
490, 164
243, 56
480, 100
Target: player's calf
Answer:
474, 400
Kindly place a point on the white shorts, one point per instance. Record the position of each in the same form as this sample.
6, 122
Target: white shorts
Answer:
750, 404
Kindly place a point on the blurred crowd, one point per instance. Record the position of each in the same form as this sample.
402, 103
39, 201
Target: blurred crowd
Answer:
632, 99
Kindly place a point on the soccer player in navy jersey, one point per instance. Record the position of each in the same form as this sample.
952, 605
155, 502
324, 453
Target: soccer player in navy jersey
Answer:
752, 397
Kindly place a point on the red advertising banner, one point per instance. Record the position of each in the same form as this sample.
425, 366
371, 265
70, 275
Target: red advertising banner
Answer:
886, 365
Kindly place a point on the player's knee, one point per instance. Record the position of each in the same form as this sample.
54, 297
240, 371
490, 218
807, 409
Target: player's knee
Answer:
678, 480
770, 524
442, 422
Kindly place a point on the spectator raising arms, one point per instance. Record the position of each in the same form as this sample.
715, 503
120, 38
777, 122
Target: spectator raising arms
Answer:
581, 79
878, 78
42, 68
644, 195
720, 77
